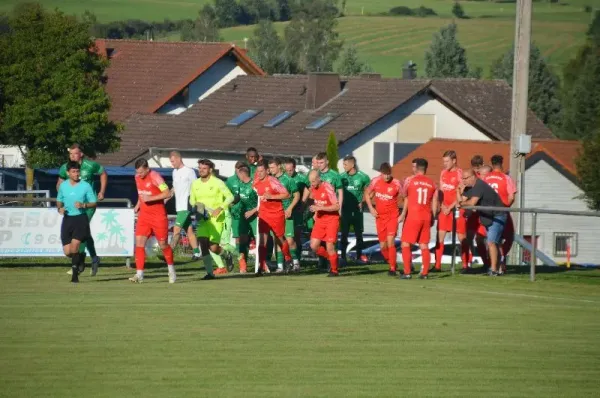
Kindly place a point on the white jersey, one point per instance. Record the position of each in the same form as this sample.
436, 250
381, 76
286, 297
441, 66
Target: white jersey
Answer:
182, 183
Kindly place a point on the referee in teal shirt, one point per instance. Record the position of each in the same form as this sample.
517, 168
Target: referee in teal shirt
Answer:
74, 197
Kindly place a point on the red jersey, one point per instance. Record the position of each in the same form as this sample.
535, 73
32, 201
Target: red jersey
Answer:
386, 195
449, 181
324, 195
405, 183
502, 183
420, 191
152, 184
272, 186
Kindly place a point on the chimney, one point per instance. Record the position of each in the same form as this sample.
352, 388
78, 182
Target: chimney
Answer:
409, 71
321, 88
373, 76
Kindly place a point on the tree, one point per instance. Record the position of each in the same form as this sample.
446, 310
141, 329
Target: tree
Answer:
588, 170
458, 11
332, 151
594, 29
311, 40
267, 49
226, 12
446, 57
256, 10
351, 65
544, 85
53, 94
205, 28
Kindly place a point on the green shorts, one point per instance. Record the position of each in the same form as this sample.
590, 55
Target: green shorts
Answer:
243, 226
183, 220
354, 218
290, 230
210, 229
90, 213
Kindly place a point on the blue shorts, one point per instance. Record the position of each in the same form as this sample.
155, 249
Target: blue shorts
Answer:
495, 231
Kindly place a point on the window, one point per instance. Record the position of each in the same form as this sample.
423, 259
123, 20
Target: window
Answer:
317, 124
277, 120
243, 117
381, 153
564, 241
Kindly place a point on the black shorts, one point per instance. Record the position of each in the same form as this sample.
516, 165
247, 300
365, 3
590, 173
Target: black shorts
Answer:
74, 227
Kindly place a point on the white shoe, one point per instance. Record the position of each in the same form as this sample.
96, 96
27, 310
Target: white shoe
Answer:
70, 272
95, 265
136, 279
172, 277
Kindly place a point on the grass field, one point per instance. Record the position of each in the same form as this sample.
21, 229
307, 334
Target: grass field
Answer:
363, 334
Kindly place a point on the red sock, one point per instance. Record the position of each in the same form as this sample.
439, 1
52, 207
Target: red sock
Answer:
392, 258
465, 249
333, 260
140, 258
322, 252
168, 253
285, 249
406, 259
386, 254
426, 260
439, 251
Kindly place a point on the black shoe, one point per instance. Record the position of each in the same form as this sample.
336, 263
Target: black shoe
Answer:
421, 276
435, 270
208, 277
74, 276
228, 261
412, 269
465, 271
392, 273
492, 273
332, 274
405, 276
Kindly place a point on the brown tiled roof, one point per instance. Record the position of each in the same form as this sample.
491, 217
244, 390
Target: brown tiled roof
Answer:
362, 102
144, 75
563, 152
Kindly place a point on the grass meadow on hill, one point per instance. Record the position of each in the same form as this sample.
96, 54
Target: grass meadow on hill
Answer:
362, 334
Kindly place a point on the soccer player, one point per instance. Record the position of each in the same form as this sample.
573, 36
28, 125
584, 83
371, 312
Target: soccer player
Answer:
248, 209
298, 215
235, 210
74, 197
211, 197
330, 176
275, 169
271, 216
152, 218
422, 201
478, 193
387, 192
327, 220
183, 177
88, 172
355, 184
252, 158
505, 187
414, 172
450, 178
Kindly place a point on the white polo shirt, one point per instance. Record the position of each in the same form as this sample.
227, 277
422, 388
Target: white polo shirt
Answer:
182, 183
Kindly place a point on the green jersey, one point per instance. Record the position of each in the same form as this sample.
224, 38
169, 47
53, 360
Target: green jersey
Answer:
354, 188
291, 187
333, 178
233, 184
252, 169
89, 171
248, 196
301, 183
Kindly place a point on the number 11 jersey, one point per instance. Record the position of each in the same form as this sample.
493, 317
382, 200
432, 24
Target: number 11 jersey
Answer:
420, 191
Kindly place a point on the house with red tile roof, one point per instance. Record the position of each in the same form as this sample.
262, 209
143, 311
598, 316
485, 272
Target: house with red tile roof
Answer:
550, 182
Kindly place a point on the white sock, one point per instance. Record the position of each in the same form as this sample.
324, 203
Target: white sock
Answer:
171, 269
295, 262
139, 273
279, 266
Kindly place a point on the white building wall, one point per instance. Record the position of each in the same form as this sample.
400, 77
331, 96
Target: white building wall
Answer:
546, 188
10, 156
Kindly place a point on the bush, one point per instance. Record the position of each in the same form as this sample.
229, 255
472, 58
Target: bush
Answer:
405, 11
458, 11
401, 10
424, 12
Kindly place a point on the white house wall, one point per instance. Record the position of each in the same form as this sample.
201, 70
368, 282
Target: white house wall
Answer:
10, 156
224, 163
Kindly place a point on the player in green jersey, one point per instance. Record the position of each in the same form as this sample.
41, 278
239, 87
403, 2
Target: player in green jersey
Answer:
355, 184
298, 215
235, 208
246, 213
252, 158
88, 172
275, 169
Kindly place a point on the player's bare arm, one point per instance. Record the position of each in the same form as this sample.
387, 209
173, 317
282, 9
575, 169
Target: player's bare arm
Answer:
103, 183
60, 206
369, 200
280, 196
251, 213
85, 205
60, 181
365, 193
331, 208
153, 198
435, 203
136, 208
404, 210
469, 202
340, 194
295, 200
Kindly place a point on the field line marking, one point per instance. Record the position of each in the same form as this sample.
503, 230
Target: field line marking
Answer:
511, 294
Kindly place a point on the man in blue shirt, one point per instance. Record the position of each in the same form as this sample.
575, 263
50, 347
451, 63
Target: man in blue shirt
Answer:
74, 198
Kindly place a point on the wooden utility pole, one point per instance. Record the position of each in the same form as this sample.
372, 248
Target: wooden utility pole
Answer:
519, 105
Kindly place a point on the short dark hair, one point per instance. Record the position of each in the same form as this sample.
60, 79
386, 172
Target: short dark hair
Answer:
415, 161
243, 169
276, 161
239, 164
497, 160
251, 149
141, 162
262, 163
76, 146
206, 162
73, 165
450, 154
290, 161
321, 156
477, 161
350, 158
422, 164
385, 168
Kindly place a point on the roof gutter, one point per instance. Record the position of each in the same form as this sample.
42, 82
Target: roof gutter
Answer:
222, 152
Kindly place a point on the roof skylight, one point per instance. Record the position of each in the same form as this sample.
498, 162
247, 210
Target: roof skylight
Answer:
280, 118
322, 121
243, 117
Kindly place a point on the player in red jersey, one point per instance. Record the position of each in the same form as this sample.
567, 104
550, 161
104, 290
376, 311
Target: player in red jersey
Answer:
387, 192
152, 218
271, 216
505, 187
414, 172
450, 178
327, 220
421, 200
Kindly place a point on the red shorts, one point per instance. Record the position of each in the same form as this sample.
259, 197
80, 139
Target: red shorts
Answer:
326, 230
273, 223
473, 223
445, 222
416, 231
386, 226
157, 226
509, 229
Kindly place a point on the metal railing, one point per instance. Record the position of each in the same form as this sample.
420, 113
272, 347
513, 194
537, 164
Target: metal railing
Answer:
53, 200
534, 213
15, 199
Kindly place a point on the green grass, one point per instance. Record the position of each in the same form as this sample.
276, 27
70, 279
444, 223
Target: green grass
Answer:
364, 334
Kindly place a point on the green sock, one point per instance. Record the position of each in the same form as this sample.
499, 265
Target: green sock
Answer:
294, 253
237, 248
217, 260
279, 257
197, 250
82, 247
208, 264
243, 249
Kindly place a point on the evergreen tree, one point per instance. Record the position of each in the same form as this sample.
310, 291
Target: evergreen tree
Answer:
458, 11
446, 57
544, 85
351, 65
332, 152
205, 27
588, 170
226, 12
267, 49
